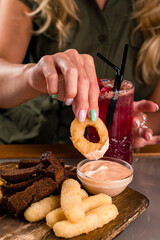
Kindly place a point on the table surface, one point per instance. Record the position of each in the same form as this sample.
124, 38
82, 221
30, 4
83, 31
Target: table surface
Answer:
146, 180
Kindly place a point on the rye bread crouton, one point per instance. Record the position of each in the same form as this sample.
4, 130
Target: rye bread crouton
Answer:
18, 202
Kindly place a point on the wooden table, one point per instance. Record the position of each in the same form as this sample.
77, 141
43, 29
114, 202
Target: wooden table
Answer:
60, 150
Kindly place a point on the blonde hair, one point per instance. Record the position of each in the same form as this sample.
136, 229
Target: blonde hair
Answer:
64, 13
147, 13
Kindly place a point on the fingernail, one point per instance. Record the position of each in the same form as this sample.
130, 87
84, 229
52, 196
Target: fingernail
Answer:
93, 115
157, 107
82, 115
69, 101
52, 96
149, 136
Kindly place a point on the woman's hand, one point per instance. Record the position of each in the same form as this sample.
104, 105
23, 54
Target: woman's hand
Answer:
143, 134
71, 77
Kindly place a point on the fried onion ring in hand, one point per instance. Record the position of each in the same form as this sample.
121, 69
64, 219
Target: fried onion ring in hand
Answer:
90, 150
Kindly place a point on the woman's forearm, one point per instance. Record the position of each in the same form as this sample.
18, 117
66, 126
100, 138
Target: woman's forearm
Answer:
14, 85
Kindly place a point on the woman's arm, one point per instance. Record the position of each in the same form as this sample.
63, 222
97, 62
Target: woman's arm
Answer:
15, 30
68, 74
15, 35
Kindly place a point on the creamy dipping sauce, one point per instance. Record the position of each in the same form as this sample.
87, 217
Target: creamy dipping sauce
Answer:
107, 175
105, 170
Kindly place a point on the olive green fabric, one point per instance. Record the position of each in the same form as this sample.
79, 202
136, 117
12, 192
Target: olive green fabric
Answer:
45, 120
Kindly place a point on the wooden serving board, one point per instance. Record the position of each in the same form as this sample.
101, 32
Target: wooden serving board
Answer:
130, 204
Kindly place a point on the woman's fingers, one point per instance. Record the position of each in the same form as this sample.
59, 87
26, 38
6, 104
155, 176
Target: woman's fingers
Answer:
81, 100
71, 77
144, 106
139, 119
145, 132
88, 90
140, 142
143, 135
141, 131
68, 71
93, 93
60, 75
155, 140
50, 74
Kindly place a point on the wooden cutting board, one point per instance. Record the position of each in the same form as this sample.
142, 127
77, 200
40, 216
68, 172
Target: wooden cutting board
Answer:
130, 204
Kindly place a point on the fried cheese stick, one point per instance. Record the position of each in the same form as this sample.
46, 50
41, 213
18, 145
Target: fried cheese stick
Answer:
94, 219
71, 200
88, 204
84, 194
38, 210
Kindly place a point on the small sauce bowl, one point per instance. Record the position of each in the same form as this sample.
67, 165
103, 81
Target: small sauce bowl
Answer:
111, 180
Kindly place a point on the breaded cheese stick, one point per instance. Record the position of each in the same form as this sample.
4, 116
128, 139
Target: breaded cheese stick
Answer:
67, 229
54, 216
94, 219
71, 200
84, 194
88, 204
105, 213
96, 201
38, 210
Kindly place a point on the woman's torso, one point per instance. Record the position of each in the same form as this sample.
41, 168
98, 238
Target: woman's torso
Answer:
106, 31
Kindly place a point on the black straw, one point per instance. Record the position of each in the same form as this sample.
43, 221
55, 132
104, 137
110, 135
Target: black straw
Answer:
117, 84
122, 66
108, 62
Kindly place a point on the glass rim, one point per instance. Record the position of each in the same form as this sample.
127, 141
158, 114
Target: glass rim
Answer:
121, 90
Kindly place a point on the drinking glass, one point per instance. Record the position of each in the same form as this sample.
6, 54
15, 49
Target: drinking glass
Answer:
120, 130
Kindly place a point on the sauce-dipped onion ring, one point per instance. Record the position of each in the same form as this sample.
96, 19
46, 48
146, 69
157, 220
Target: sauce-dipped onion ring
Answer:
90, 150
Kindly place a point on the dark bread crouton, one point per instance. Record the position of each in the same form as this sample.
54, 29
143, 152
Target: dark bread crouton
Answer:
19, 175
18, 202
27, 163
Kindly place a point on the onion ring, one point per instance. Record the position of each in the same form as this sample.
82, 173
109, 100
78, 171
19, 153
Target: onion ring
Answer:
90, 150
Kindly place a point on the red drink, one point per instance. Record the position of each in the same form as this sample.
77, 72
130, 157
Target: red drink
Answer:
120, 132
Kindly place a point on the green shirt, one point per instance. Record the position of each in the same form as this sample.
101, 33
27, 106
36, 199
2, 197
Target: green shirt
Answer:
44, 120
